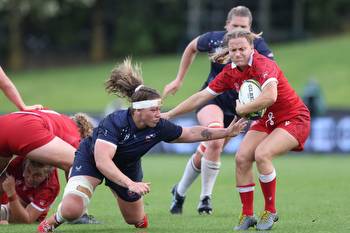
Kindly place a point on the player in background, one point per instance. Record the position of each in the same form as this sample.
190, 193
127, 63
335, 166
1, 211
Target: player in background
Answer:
114, 150
215, 113
31, 188
12, 93
284, 127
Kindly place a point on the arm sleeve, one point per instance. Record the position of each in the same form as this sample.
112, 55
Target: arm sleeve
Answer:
262, 47
203, 43
108, 131
169, 131
267, 74
220, 83
44, 198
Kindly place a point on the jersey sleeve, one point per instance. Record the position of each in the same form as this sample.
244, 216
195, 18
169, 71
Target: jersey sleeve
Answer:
262, 47
44, 198
108, 131
220, 83
203, 43
46, 193
267, 72
169, 131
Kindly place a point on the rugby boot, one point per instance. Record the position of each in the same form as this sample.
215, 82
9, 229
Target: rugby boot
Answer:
245, 222
177, 202
204, 206
266, 221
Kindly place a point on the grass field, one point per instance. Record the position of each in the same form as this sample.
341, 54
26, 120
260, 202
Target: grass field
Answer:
80, 88
312, 196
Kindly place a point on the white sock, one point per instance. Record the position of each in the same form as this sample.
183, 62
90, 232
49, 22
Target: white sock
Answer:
210, 171
190, 174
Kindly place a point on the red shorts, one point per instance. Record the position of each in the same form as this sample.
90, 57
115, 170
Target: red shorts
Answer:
298, 127
22, 133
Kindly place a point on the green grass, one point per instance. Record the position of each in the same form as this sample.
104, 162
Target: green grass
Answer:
80, 88
312, 196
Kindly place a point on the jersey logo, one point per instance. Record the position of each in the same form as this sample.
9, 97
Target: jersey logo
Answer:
149, 137
78, 168
270, 120
286, 123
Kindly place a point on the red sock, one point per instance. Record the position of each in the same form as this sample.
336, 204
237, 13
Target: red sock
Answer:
269, 191
143, 223
246, 192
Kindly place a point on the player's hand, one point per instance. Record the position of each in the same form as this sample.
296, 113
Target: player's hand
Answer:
9, 186
141, 188
240, 109
171, 88
236, 127
32, 107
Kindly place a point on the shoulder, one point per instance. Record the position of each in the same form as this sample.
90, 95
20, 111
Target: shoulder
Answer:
118, 118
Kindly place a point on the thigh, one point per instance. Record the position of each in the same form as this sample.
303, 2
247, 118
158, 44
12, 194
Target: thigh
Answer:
57, 153
132, 212
209, 114
278, 142
249, 144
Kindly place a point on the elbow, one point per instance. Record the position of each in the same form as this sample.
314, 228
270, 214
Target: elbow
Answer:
270, 101
99, 165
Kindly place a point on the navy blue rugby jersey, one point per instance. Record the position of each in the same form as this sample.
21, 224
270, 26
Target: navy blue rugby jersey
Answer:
132, 143
212, 41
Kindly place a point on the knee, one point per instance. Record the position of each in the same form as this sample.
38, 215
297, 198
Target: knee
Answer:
262, 155
216, 145
242, 160
71, 211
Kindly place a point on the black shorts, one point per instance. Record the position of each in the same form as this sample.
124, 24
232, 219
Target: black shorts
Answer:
84, 165
135, 174
226, 101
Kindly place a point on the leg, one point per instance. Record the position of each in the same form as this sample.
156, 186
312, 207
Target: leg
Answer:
277, 143
210, 114
133, 212
57, 153
76, 198
244, 177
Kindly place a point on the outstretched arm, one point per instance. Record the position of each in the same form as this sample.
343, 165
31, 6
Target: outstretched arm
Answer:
186, 60
12, 93
189, 104
201, 133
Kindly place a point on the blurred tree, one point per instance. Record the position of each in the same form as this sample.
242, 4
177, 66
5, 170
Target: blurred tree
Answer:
17, 10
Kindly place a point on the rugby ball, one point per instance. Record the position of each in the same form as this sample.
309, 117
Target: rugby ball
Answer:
248, 92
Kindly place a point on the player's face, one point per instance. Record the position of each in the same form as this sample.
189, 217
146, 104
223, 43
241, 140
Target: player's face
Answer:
150, 116
238, 22
33, 177
240, 51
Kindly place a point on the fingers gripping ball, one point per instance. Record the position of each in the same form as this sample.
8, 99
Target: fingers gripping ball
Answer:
248, 92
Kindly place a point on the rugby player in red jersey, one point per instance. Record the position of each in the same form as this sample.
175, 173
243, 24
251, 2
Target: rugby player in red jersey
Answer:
284, 127
31, 188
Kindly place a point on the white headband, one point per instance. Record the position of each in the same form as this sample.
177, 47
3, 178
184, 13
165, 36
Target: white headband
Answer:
146, 104
138, 88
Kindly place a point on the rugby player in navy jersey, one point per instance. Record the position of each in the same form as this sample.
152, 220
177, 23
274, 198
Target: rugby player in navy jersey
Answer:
114, 150
216, 113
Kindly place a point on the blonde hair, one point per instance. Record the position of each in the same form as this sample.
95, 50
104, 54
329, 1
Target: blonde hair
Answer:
240, 11
222, 56
46, 169
83, 121
125, 81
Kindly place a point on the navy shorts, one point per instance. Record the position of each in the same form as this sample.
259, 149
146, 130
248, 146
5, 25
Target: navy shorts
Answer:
84, 165
226, 101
